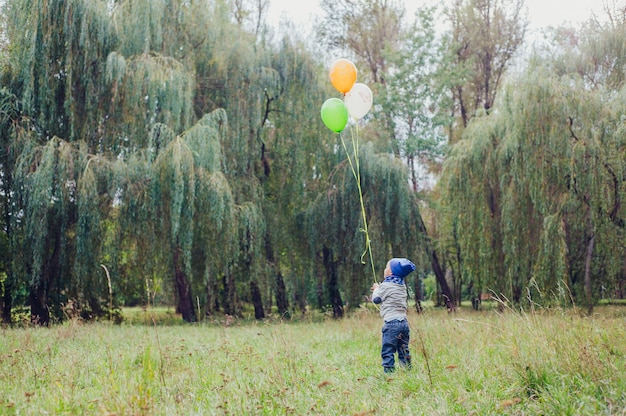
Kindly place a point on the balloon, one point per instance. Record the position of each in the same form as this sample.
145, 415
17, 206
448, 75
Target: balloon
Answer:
342, 75
359, 100
334, 114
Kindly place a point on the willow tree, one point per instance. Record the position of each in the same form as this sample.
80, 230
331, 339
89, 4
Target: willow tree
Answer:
180, 201
61, 208
481, 44
296, 157
335, 225
271, 94
547, 169
245, 80
54, 71
90, 136
553, 154
10, 127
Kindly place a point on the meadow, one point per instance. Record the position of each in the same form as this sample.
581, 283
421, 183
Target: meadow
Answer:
550, 362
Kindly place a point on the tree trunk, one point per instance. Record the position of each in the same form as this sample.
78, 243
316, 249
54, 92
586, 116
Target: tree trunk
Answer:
333, 283
320, 285
282, 303
281, 295
38, 297
183, 289
300, 292
462, 106
441, 278
588, 294
255, 294
39, 312
436, 266
418, 288
211, 301
230, 298
7, 298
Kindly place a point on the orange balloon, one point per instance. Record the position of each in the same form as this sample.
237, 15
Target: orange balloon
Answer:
342, 75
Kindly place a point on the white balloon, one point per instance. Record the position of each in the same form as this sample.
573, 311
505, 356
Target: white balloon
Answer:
359, 100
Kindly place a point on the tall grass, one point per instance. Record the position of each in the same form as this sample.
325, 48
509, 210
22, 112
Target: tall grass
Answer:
480, 363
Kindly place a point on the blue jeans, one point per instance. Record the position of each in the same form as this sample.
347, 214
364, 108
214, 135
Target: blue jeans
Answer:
395, 340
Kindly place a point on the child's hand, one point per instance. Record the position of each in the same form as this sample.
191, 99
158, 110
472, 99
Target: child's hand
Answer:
374, 287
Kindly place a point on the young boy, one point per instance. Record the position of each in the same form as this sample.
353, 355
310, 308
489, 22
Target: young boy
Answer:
392, 297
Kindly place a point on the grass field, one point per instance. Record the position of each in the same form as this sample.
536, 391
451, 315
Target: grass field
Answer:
466, 363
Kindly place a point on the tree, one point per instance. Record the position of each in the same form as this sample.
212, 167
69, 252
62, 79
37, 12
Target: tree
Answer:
391, 209
366, 28
595, 51
92, 139
551, 154
537, 171
485, 36
295, 158
55, 121
416, 99
402, 125
183, 200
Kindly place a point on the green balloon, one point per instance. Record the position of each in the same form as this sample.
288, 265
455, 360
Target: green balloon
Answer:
335, 114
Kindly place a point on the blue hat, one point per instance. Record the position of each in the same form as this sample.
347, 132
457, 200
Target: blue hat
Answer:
401, 267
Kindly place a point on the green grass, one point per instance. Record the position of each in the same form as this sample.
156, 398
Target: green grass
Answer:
482, 363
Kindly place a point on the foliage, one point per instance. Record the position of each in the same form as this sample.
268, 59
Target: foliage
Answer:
545, 168
484, 38
415, 98
172, 152
345, 30
594, 51
390, 205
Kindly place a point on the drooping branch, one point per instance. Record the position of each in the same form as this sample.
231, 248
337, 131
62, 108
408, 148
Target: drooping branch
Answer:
613, 212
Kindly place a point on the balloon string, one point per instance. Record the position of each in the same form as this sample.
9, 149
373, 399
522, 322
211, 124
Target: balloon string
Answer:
356, 172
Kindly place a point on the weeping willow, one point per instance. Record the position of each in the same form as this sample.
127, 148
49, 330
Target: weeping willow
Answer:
93, 205
296, 160
49, 175
151, 89
470, 198
57, 64
162, 141
190, 202
535, 190
100, 160
390, 206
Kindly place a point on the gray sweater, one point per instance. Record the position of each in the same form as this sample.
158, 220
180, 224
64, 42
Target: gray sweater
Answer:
392, 298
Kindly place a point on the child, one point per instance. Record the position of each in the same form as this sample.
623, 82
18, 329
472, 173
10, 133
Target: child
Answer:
392, 297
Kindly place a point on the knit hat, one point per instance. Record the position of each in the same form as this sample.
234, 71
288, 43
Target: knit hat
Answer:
401, 267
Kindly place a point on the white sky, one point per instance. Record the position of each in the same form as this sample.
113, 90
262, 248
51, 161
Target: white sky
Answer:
542, 13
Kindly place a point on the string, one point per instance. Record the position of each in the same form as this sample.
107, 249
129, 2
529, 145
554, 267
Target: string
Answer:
356, 172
